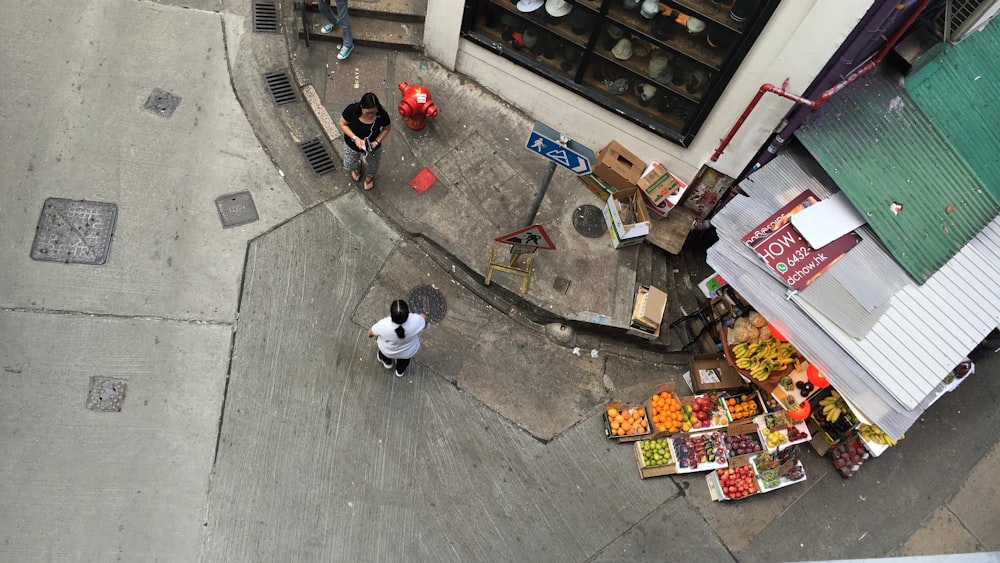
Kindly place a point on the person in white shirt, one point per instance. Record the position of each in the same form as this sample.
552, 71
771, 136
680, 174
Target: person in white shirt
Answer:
397, 336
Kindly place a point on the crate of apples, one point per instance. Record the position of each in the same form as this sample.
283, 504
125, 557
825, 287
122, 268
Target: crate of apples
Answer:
737, 482
701, 412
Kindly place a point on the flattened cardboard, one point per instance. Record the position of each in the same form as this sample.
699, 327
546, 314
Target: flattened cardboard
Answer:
728, 377
653, 307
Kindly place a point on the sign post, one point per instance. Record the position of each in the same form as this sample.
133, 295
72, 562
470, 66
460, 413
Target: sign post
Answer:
524, 241
559, 150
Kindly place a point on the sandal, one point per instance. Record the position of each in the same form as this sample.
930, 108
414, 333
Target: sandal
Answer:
369, 183
356, 174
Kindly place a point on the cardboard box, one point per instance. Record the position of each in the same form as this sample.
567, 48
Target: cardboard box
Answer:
653, 307
658, 184
621, 407
628, 214
711, 372
658, 471
618, 167
598, 187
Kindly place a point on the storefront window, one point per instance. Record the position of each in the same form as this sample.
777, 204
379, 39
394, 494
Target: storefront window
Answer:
662, 65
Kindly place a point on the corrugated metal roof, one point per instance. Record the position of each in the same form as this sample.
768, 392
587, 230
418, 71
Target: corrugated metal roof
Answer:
920, 333
959, 93
881, 149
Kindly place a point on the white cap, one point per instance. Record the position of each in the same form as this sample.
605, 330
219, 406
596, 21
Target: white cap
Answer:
558, 8
529, 5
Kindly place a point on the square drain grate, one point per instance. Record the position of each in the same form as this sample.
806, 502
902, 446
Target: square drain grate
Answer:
74, 232
318, 157
236, 209
279, 85
265, 17
161, 103
106, 394
561, 284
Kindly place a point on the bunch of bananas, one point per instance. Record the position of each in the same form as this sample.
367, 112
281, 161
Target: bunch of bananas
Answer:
761, 358
875, 434
833, 406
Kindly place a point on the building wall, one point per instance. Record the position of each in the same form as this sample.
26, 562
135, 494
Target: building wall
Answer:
799, 39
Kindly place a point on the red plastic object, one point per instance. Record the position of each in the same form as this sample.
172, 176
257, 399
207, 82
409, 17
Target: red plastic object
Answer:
816, 377
776, 333
802, 413
423, 180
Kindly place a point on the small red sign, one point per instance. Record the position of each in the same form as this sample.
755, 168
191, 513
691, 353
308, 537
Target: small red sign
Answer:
787, 253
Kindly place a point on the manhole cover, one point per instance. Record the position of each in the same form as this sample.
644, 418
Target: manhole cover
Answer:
429, 301
161, 103
279, 85
106, 394
589, 221
74, 232
236, 209
561, 284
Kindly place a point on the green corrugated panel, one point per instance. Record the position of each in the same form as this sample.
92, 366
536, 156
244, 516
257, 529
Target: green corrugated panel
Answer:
960, 94
876, 143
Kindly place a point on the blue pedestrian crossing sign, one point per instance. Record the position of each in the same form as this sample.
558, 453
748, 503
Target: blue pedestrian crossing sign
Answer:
569, 154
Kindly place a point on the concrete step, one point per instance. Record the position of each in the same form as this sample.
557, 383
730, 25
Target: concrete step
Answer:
393, 10
373, 32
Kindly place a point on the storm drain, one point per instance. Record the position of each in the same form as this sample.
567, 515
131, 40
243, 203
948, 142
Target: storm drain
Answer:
74, 232
428, 300
279, 85
265, 17
236, 209
318, 157
106, 394
588, 220
161, 103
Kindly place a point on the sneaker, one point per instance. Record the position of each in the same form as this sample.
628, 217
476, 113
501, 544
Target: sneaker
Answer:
385, 365
399, 374
329, 27
345, 52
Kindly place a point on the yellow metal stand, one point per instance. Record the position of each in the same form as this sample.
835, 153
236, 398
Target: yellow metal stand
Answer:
510, 268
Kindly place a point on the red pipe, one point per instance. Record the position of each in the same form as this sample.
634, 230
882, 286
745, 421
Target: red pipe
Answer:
825, 96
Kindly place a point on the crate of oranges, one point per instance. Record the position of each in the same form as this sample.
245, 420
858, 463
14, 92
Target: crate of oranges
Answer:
665, 409
743, 406
625, 423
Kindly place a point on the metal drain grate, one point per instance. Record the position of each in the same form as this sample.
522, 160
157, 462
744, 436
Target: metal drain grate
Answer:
561, 284
74, 232
428, 300
161, 103
265, 17
236, 209
279, 85
318, 157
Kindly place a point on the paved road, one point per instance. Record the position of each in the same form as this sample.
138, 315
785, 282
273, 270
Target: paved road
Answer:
257, 426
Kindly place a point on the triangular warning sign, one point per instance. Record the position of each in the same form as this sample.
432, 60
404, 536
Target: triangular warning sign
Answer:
534, 235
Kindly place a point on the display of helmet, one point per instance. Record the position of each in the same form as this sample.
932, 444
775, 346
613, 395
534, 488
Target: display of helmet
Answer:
558, 8
640, 49
696, 81
631, 5
616, 32
618, 86
645, 92
622, 50
664, 27
581, 20
659, 65
695, 26
530, 38
649, 9
529, 5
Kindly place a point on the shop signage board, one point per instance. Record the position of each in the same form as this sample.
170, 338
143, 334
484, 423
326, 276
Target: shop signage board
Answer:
787, 253
567, 153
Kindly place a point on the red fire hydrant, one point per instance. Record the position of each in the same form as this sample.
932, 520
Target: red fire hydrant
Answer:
416, 105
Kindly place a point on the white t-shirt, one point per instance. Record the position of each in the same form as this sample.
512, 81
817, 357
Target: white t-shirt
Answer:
392, 345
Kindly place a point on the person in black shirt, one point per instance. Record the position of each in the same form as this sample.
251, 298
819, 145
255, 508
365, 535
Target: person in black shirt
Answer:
365, 125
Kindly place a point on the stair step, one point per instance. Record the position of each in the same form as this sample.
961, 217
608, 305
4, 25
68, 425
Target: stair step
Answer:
394, 10
390, 34
644, 266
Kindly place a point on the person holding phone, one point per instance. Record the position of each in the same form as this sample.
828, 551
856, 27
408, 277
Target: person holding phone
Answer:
365, 125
